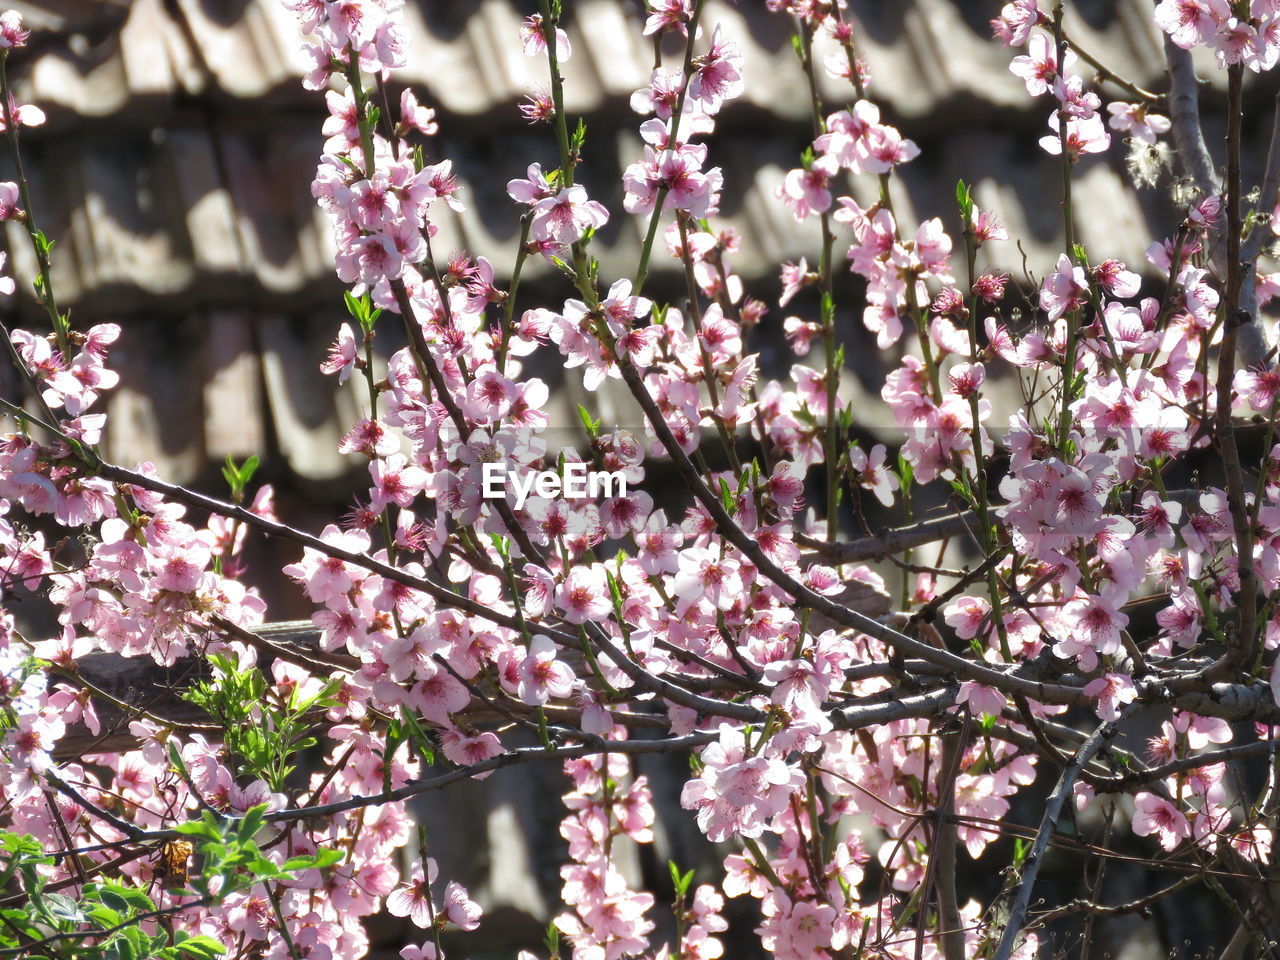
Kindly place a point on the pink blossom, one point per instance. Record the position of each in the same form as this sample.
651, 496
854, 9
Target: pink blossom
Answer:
737, 794
1038, 68
717, 74
1134, 119
1189, 22
1083, 135
703, 575
981, 700
12, 33
565, 217
1063, 289
872, 473
413, 899
1113, 691
533, 35
416, 117
584, 595
1154, 815
542, 676
342, 355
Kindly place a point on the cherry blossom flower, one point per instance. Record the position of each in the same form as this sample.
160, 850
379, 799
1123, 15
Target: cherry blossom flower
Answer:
12, 33
533, 33
413, 899
1083, 135
565, 217
1038, 68
413, 116
1113, 691
717, 75
1064, 289
1156, 816
1134, 119
342, 355
704, 576
542, 676
872, 474
737, 794
584, 595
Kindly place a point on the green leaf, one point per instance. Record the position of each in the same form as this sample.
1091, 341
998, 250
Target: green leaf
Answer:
589, 423
206, 828
964, 199
727, 498
201, 947
679, 881
62, 907
104, 916
134, 897
552, 939
324, 857
395, 736
421, 741
251, 822
614, 590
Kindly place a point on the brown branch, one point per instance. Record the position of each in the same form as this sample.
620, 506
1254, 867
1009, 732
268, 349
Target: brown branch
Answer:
1140, 905
1184, 114
892, 541
1242, 751
1252, 343
1240, 650
1053, 807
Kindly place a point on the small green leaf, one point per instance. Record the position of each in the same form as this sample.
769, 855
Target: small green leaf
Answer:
589, 423
201, 947
251, 822
964, 199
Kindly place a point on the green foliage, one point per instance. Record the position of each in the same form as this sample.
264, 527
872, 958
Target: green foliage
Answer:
680, 882
105, 921
579, 137
263, 731
238, 477
964, 199
727, 499
362, 310
231, 854
589, 423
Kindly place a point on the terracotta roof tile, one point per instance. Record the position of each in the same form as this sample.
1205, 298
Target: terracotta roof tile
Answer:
175, 166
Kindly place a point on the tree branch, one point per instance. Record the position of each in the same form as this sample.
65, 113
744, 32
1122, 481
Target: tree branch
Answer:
1184, 114
1053, 808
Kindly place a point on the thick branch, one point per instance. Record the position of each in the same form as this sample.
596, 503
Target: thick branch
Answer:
1252, 343
1184, 112
1053, 808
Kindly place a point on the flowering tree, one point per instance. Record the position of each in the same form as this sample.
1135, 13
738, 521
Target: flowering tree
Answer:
827, 725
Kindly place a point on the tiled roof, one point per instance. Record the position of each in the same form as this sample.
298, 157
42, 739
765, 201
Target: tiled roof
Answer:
174, 173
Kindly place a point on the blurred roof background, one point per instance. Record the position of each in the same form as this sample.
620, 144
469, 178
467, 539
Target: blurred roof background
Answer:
174, 175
